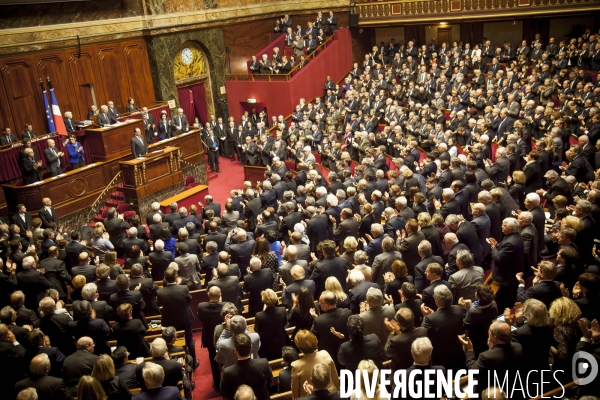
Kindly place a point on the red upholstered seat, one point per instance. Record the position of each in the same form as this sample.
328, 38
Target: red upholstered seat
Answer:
123, 208
189, 180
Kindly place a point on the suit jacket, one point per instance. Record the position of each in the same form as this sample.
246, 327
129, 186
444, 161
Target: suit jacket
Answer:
134, 298
271, 323
467, 235
427, 295
219, 238
56, 273
106, 119
464, 281
179, 121
34, 286
294, 288
398, 347
373, 320
302, 371
254, 284
106, 288
358, 294
138, 147
443, 327
174, 300
230, 289
536, 342
156, 229
173, 372
89, 271
409, 250
26, 224
48, 217
159, 393
52, 161
13, 365
335, 318
47, 387
131, 334
160, 261
77, 365
148, 291
209, 314
330, 266
116, 230
241, 253
30, 173
317, 230
254, 373
352, 352
508, 259
502, 359
544, 291
382, 264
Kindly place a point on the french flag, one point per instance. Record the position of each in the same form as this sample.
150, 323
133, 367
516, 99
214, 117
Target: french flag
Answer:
59, 123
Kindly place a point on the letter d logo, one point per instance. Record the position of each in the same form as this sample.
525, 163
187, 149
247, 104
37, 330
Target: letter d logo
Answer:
583, 363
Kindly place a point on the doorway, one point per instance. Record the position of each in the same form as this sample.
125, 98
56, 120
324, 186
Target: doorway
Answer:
444, 35
193, 101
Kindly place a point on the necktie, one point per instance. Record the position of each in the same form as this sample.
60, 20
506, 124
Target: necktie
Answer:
140, 139
180, 122
9, 141
57, 159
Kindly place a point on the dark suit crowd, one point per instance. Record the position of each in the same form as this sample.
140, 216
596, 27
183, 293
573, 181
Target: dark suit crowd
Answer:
434, 259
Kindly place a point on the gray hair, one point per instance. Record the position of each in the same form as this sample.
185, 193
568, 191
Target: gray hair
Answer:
360, 257
212, 245
182, 211
156, 218
375, 297
133, 232
88, 292
377, 228
159, 245
255, 263
421, 347
183, 233
451, 237
511, 224
447, 192
355, 276
237, 324
158, 347
425, 247
533, 198
465, 258
153, 375
527, 216
401, 200
484, 194
28, 262
452, 219
155, 206
332, 200
340, 193
267, 185
443, 295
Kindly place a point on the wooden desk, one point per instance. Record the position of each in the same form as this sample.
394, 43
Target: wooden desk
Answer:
157, 171
254, 173
111, 142
78, 189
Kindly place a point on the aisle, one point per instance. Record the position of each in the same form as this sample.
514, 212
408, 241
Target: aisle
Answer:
202, 375
231, 177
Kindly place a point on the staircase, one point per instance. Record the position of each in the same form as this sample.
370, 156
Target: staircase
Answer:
114, 199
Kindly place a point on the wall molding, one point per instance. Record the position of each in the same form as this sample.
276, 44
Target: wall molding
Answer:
65, 35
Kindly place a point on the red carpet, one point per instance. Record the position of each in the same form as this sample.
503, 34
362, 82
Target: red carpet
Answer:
202, 375
231, 177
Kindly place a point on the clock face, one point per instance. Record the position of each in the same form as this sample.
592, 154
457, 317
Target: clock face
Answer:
187, 56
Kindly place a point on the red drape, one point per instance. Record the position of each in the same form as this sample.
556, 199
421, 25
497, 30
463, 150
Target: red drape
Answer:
185, 102
10, 168
199, 102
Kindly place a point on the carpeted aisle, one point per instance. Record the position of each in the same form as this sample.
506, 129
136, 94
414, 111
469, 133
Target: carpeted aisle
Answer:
202, 376
231, 177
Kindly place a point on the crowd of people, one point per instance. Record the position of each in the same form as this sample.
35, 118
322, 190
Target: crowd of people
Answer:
375, 261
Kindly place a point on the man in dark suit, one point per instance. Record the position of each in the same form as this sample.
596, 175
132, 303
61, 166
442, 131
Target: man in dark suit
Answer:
105, 118
504, 357
408, 245
106, 286
53, 158
466, 234
443, 327
360, 287
173, 371
160, 260
138, 144
216, 207
231, 290
421, 350
241, 252
22, 218
254, 373
8, 137
46, 387
157, 226
544, 288
56, 272
133, 297
47, 214
25, 316
153, 375
348, 226
433, 273
31, 167
155, 210
116, 227
498, 171
298, 274
402, 334
147, 288
55, 326
330, 317
32, 282
73, 249
133, 240
85, 268
12, 360
329, 266
383, 262
255, 282
287, 222
209, 314
508, 261
179, 123
558, 187
213, 235
425, 252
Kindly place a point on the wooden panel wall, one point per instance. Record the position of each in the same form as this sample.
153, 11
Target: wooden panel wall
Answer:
108, 71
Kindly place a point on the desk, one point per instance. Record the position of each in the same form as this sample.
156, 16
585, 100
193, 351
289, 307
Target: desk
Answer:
78, 189
185, 198
111, 142
156, 171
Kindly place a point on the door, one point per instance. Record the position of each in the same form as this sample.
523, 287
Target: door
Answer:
444, 36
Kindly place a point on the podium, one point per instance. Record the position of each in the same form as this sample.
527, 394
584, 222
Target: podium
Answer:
113, 141
150, 174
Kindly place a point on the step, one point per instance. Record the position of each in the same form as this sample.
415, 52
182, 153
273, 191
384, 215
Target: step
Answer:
212, 175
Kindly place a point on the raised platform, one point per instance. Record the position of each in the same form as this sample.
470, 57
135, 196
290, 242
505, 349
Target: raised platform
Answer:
185, 198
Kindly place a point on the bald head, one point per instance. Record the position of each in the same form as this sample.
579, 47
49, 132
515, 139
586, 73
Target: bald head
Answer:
214, 293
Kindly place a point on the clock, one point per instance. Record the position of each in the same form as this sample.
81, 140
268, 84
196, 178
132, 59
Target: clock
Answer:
187, 56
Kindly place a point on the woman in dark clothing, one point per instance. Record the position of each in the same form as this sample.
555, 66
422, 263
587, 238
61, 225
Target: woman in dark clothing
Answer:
430, 232
364, 228
419, 203
392, 287
299, 315
114, 387
270, 323
517, 188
